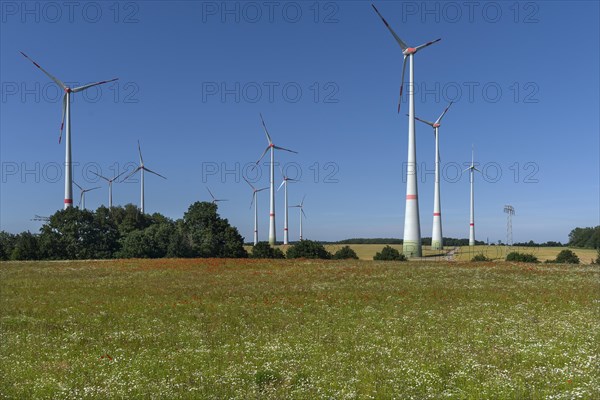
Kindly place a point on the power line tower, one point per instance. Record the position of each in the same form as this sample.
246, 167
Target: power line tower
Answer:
510, 211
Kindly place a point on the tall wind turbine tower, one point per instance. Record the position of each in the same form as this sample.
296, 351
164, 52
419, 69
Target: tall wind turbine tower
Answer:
66, 116
142, 168
302, 214
284, 183
82, 194
110, 183
272, 148
255, 202
436, 233
412, 226
472, 170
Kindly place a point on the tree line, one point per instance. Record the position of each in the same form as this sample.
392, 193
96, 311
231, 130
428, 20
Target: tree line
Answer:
125, 232
588, 238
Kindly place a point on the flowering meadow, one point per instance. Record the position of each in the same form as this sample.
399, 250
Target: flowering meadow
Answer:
298, 329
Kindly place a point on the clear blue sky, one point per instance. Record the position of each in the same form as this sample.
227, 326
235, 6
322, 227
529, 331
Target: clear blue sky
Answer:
175, 59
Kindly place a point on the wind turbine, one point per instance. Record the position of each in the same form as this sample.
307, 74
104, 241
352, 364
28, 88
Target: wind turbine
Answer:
142, 168
285, 218
82, 194
436, 233
214, 199
472, 170
412, 226
301, 207
110, 182
272, 147
66, 115
255, 202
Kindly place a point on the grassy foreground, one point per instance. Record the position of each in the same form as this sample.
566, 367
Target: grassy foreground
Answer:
298, 329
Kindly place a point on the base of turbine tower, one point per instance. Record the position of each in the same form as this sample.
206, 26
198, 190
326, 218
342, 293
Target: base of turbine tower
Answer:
437, 245
411, 249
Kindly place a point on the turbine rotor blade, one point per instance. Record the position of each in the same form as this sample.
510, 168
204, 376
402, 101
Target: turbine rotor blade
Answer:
140, 152
115, 178
284, 149
282, 183
444, 113
100, 176
133, 172
402, 83
253, 188
403, 45
260, 190
265, 128
62, 119
253, 197
75, 183
56, 80
211, 195
263, 154
82, 88
426, 44
152, 172
422, 120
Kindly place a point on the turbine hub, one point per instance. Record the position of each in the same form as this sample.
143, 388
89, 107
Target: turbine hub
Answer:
410, 50
436, 125
68, 90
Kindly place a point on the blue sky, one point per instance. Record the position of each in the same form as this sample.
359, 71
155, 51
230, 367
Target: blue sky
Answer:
195, 76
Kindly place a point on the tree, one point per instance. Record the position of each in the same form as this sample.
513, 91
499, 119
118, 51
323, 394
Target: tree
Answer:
585, 237
567, 257
209, 234
389, 254
72, 234
264, 250
7, 244
26, 247
345, 253
308, 249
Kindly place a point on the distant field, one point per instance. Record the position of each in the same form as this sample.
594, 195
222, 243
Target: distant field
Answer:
465, 253
254, 329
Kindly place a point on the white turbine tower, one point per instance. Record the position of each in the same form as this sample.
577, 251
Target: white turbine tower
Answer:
284, 183
142, 168
472, 170
255, 202
81, 204
301, 207
214, 199
412, 226
437, 241
66, 117
110, 182
272, 147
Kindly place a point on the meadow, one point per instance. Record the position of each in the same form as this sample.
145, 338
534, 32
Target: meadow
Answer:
298, 329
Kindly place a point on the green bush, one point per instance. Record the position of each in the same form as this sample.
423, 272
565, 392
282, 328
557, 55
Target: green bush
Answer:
480, 257
264, 250
308, 249
345, 253
266, 378
389, 254
567, 257
521, 257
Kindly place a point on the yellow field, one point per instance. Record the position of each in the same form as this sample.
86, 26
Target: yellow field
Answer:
464, 253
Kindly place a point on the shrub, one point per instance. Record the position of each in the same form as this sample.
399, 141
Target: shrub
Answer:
480, 257
521, 257
266, 378
389, 254
345, 253
567, 257
308, 249
264, 250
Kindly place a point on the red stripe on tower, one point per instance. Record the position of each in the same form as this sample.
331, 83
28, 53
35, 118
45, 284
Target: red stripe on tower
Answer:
472, 224
437, 214
411, 197
272, 214
68, 201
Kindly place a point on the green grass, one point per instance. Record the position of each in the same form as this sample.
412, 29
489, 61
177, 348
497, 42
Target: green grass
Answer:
252, 329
